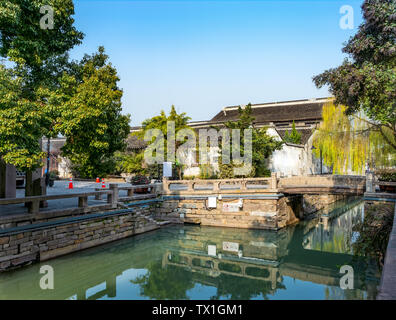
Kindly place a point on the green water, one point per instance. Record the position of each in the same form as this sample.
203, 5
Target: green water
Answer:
193, 262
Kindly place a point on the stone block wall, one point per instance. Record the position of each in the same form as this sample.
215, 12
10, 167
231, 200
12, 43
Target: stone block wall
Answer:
23, 246
314, 202
269, 213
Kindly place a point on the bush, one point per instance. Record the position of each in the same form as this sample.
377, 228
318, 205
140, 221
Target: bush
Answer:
139, 180
388, 175
188, 177
130, 163
54, 174
207, 172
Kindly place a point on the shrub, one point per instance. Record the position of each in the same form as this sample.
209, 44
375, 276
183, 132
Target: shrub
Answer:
139, 179
388, 175
207, 172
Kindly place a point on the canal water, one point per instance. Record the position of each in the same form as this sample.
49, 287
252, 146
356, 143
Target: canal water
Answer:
193, 262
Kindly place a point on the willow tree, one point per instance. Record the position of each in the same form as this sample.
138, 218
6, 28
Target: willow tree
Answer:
366, 80
349, 142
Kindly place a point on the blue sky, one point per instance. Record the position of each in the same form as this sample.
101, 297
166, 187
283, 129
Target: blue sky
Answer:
204, 55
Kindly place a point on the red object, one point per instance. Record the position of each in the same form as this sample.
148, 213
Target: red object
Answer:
71, 183
103, 184
97, 180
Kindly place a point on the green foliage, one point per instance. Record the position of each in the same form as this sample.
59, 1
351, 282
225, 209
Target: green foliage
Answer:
160, 122
46, 95
168, 282
139, 180
155, 171
38, 57
91, 116
294, 136
374, 232
349, 142
206, 171
388, 175
367, 80
226, 170
22, 39
263, 145
20, 124
130, 163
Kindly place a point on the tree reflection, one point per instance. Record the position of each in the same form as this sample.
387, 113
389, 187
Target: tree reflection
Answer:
238, 288
161, 283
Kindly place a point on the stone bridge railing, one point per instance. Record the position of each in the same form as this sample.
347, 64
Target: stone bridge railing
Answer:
320, 184
329, 184
36, 210
197, 186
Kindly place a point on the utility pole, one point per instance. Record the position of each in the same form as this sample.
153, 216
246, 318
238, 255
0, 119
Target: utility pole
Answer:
321, 162
47, 174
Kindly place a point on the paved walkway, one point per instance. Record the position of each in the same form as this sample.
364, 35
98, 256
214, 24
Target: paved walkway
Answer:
388, 282
60, 187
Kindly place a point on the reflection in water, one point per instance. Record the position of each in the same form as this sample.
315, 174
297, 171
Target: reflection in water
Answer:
193, 262
334, 232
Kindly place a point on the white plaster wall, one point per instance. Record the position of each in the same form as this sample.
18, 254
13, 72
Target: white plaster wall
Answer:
64, 166
290, 160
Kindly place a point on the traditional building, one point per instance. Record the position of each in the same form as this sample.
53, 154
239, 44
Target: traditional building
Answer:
277, 117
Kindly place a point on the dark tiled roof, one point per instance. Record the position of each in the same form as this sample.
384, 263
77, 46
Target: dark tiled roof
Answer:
135, 143
266, 113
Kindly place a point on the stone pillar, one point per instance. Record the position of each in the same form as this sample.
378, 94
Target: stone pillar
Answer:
7, 180
190, 186
274, 180
113, 197
165, 185
216, 186
35, 186
369, 181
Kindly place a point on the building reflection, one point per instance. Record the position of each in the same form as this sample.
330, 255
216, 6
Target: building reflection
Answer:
238, 263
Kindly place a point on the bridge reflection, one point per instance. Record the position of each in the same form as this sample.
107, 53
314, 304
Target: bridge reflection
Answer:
237, 263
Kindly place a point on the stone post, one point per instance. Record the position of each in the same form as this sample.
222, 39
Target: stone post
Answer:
130, 192
112, 197
190, 186
216, 186
165, 185
35, 186
274, 181
7, 180
83, 202
98, 196
369, 181
157, 188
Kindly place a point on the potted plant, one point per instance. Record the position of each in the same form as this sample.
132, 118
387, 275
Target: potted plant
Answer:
53, 175
387, 175
140, 180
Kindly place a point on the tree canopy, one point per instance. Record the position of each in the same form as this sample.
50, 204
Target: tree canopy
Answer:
294, 136
43, 93
347, 143
161, 123
91, 116
24, 42
263, 145
366, 81
36, 57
